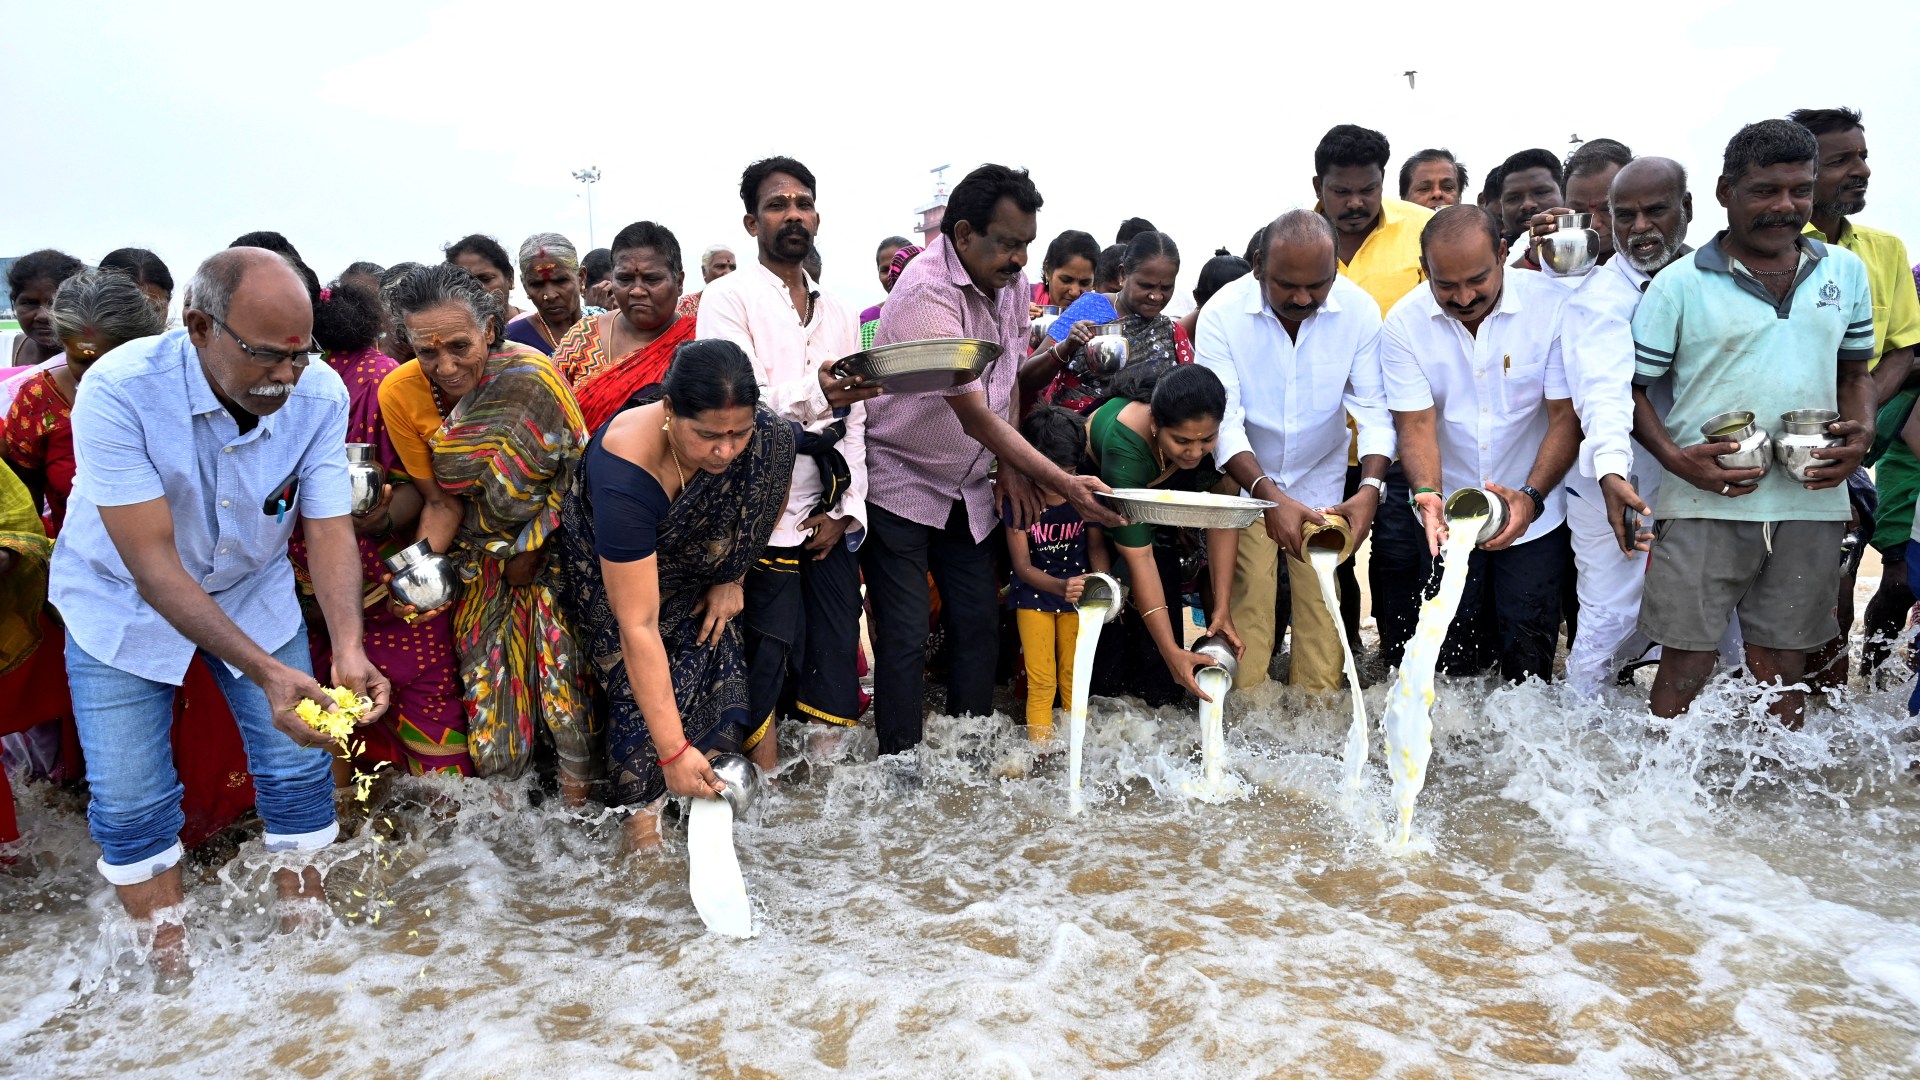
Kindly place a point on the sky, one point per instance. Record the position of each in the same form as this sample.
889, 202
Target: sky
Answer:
384, 131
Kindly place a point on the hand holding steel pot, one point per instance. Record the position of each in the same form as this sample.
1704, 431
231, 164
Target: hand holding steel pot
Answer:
1802, 432
1572, 249
422, 579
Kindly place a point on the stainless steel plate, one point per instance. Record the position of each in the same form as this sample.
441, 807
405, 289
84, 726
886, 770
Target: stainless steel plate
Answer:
911, 367
1186, 509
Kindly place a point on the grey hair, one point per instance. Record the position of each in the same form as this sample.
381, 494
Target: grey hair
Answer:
706, 257
106, 307
547, 247
424, 288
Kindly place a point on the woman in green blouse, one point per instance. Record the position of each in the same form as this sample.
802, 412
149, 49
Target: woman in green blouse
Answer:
1158, 430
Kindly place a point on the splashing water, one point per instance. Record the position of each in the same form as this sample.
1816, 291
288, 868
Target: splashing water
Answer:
1409, 720
1609, 896
1354, 757
1093, 616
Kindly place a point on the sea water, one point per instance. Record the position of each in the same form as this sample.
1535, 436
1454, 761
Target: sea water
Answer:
1409, 718
1607, 896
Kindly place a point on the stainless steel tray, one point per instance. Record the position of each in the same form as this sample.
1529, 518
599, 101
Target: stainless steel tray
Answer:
1186, 509
911, 367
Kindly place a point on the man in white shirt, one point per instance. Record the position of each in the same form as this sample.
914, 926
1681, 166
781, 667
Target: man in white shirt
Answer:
1616, 478
1479, 395
802, 615
1296, 346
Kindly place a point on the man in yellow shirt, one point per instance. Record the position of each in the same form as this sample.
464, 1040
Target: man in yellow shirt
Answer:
1839, 192
1377, 241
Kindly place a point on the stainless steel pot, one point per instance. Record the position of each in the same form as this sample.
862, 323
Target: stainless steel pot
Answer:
1469, 503
1752, 449
742, 779
365, 475
422, 578
1103, 589
1572, 249
1802, 432
1216, 648
1104, 355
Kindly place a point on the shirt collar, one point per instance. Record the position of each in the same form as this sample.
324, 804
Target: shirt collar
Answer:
956, 270
771, 278
1711, 256
203, 401
1813, 232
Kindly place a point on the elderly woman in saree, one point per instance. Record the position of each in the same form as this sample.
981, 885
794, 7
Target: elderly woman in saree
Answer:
490, 436
676, 500
1135, 311
610, 357
425, 726
550, 274
92, 313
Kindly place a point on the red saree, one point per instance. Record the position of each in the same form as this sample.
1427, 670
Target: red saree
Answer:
602, 384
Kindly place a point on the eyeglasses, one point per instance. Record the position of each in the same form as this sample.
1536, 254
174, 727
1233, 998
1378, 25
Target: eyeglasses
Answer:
269, 357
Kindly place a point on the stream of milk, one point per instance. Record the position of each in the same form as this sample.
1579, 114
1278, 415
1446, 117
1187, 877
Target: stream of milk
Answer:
1409, 718
1354, 758
1093, 616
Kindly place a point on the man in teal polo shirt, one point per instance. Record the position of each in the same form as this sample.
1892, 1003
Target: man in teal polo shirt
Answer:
1763, 320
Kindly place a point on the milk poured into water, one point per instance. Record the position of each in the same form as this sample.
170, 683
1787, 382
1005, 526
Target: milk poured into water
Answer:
1093, 615
1354, 759
1409, 719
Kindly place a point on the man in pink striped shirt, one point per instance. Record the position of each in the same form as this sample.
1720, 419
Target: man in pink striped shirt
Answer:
930, 504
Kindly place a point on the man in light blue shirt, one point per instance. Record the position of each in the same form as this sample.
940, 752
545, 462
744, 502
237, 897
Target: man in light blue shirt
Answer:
197, 452
1762, 320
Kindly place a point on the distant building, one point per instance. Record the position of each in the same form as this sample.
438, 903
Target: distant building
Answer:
934, 212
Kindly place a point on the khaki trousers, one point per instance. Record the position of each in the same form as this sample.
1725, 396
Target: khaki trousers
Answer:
1318, 662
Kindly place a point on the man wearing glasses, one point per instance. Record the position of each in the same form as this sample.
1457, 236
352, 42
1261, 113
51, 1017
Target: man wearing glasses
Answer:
197, 452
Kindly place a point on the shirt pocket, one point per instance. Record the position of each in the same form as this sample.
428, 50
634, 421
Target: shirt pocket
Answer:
1523, 384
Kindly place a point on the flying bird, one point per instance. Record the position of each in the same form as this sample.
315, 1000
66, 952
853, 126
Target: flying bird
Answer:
1410, 75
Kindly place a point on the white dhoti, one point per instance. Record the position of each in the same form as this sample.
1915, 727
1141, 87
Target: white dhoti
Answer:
1608, 585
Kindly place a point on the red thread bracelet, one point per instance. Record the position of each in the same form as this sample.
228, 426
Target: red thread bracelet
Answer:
676, 754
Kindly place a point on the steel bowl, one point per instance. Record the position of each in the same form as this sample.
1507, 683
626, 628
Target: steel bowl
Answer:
1185, 509
1469, 503
912, 367
742, 779
1805, 430
366, 477
1103, 588
422, 579
1216, 648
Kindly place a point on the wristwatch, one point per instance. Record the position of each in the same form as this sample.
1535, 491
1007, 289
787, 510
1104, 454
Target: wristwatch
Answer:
1378, 485
1539, 500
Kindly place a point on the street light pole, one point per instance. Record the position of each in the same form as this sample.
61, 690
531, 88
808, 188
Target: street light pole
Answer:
588, 176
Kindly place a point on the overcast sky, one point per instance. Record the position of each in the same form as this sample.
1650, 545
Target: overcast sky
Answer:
384, 130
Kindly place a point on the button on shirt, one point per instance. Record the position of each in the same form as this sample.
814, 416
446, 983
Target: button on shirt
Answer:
1728, 345
134, 442
1490, 390
1596, 338
919, 458
753, 308
1287, 401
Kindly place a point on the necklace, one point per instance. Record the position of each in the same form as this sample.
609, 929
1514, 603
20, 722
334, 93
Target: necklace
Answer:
545, 330
677, 471
1773, 273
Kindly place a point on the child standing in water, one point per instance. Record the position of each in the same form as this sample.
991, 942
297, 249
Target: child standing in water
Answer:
1051, 558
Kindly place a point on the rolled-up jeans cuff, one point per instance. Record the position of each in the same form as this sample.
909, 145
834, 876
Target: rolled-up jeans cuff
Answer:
307, 841
139, 873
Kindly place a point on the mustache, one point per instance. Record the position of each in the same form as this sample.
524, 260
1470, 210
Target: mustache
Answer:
1779, 221
795, 229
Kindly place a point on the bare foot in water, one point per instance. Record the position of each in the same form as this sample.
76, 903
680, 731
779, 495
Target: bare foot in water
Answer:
303, 901
166, 940
643, 827
574, 790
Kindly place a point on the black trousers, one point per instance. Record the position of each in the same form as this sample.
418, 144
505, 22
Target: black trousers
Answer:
1510, 613
1398, 568
802, 622
897, 557
1127, 661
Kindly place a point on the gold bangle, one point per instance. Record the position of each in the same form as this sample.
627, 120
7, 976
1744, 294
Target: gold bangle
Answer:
1144, 614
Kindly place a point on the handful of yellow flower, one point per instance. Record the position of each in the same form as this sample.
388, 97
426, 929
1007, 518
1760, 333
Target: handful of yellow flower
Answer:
336, 723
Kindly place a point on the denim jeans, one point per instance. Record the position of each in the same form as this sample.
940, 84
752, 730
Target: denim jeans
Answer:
126, 725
